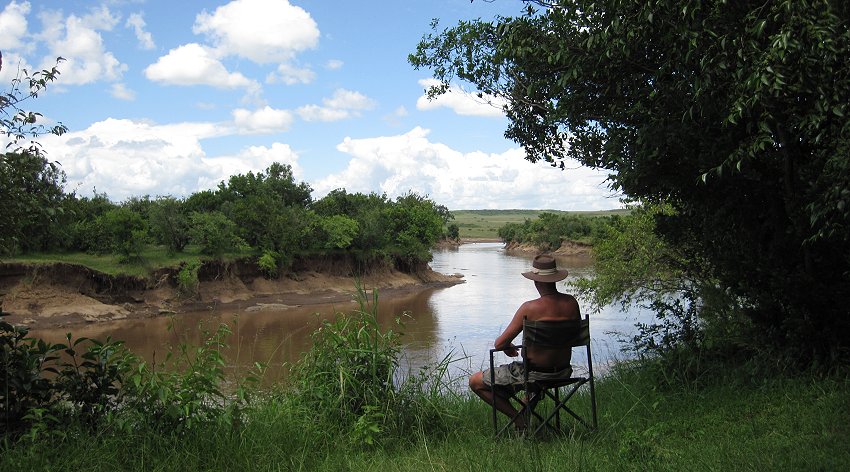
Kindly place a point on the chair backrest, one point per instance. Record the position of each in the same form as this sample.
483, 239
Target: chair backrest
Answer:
556, 334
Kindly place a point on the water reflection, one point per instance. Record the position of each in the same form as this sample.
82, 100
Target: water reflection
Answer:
462, 319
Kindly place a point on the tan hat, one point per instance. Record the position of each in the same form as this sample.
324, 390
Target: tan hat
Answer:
545, 270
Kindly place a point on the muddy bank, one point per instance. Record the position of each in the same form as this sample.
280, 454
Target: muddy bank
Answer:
59, 294
568, 248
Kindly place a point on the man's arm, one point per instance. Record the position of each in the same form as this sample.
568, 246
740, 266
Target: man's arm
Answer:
510, 333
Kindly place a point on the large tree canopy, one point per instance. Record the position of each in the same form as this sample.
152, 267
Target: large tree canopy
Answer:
735, 112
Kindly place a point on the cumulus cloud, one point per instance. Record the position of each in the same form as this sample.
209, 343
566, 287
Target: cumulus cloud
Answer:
477, 180
334, 64
291, 75
13, 24
460, 101
194, 64
394, 118
12, 63
263, 120
137, 22
343, 104
121, 92
78, 40
264, 31
126, 158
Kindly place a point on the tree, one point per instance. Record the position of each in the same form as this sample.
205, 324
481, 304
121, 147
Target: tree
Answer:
169, 224
414, 223
267, 207
213, 232
733, 112
30, 185
30, 201
367, 210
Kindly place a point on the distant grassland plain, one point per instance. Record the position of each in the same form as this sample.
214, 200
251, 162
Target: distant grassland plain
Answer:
485, 224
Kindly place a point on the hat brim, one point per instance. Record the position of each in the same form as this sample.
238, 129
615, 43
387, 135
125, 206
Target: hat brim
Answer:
559, 275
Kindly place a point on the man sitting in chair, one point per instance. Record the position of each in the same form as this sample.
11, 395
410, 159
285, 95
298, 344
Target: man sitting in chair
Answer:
551, 306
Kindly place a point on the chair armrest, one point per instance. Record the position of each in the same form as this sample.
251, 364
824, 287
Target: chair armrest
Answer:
494, 350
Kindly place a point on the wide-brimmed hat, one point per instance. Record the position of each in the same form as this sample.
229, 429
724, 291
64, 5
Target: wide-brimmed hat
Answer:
545, 270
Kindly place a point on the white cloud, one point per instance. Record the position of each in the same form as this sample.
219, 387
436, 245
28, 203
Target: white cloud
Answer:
264, 120
137, 22
263, 31
410, 162
193, 64
394, 118
343, 104
291, 75
334, 64
125, 158
13, 24
12, 63
121, 92
78, 40
460, 101
254, 158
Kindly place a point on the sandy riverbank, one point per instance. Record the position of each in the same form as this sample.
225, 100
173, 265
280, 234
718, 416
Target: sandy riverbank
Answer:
54, 295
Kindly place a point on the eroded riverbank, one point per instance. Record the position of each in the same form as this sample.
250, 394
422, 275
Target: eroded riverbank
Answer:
60, 294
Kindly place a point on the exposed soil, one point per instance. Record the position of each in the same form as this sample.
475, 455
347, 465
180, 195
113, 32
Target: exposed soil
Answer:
51, 295
568, 248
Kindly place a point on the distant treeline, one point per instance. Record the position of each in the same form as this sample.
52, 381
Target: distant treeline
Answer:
549, 230
266, 213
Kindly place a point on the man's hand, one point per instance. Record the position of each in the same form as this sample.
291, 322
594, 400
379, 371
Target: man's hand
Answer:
511, 351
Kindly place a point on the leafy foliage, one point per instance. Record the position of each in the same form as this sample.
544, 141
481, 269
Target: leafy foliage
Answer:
169, 224
44, 384
733, 112
48, 390
30, 185
214, 232
549, 230
30, 201
185, 391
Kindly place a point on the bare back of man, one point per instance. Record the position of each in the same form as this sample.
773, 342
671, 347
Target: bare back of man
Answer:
549, 307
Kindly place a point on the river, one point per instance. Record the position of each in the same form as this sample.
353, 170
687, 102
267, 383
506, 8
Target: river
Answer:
461, 320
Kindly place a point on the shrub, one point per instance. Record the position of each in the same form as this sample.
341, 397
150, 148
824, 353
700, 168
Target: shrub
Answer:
213, 232
268, 264
187, 278
40, 389
185, 391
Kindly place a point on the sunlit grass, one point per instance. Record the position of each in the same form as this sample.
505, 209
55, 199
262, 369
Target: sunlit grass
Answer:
486, 223
151, 258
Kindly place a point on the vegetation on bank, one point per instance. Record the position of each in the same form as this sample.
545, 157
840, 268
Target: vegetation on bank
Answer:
267, 216
486, 223
732, 114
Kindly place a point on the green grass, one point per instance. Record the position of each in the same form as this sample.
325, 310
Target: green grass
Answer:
737, 423
152, 258
486, 223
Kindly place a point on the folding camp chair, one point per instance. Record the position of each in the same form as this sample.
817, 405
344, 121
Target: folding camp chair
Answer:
536, 388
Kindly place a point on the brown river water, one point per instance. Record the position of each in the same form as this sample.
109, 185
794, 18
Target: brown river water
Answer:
461, 320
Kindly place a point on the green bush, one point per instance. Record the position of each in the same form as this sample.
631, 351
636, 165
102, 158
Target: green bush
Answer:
213, 232
187, 278
44, 385
268, 264
186, 390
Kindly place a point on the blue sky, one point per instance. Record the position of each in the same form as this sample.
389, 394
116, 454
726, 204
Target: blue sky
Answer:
172, 97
